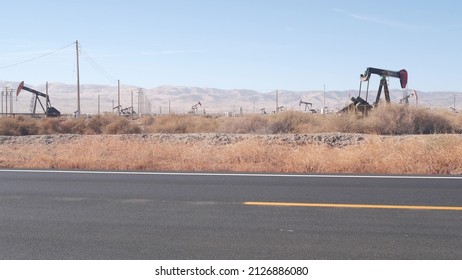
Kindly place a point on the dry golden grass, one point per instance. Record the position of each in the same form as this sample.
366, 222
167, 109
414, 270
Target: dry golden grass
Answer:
440, 152
386, 120
432, 154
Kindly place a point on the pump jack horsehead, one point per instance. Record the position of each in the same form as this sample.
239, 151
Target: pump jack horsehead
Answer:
48, 109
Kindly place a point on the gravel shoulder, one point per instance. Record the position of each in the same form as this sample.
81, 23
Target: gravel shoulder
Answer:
329, 139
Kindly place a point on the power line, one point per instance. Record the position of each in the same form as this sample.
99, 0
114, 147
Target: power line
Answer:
96, 66
91, 61
35, 58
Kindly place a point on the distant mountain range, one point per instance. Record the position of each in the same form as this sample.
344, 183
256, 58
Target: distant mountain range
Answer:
180, 99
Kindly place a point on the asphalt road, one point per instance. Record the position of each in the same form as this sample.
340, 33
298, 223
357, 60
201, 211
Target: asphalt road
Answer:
100, 215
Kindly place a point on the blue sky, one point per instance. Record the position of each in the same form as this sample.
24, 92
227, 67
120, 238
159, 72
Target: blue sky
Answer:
252, 44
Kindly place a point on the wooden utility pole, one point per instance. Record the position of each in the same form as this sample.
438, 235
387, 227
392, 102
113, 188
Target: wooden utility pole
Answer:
11, 101
133, 109
78, 79
455, 103
6, 100
47, 98
118, 97
277, 101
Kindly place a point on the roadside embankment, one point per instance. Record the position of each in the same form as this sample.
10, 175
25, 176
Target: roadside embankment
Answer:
219, 152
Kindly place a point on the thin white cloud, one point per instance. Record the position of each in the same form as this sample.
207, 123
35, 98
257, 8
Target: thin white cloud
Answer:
22, 55
170, 52
382, 21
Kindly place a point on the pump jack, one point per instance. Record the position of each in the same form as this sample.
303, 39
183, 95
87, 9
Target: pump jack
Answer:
402, 75
307, 105
405, 99
48, 109
362, 105
195, 108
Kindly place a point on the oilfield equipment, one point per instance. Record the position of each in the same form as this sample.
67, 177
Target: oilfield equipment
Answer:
362, 105
405, 99
48, 110
308, 106
6, 96
195, 108
129, 111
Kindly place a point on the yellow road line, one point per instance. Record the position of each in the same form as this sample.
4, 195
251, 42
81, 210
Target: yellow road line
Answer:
366, 206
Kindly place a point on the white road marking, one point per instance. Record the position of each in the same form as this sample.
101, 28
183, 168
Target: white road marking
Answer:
232, 174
